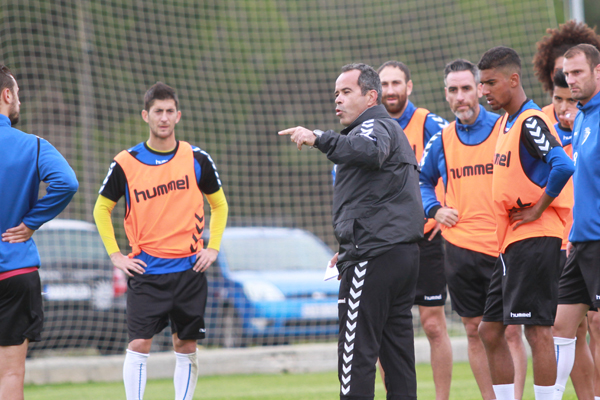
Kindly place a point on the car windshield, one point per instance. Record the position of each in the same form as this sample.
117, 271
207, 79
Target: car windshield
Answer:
286, 251
69, 245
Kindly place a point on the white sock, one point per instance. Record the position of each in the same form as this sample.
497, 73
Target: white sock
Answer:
134, 374
504, 392
596, 397
565, 357
543, 392
186, 375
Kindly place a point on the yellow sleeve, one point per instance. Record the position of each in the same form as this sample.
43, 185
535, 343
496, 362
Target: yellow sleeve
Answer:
102, 212
218, 218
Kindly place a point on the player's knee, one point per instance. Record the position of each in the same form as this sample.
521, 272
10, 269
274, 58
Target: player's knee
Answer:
434, 326
594, 323
514, 334
140, 345
490, 334
538, 335
472, 329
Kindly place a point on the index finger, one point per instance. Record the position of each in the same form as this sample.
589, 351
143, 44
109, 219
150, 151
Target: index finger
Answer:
287, 131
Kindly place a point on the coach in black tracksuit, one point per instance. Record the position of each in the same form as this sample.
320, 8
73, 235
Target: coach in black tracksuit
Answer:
377, 219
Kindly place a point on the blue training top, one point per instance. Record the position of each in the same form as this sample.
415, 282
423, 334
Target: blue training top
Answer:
433, 163
25, 161
586, 179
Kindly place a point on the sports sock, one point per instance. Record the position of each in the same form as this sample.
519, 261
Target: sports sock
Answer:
186, 375
565, 357
134, 374
543, 392
596, 397
504, 392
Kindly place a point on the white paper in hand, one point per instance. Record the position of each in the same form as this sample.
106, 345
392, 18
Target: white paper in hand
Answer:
330, 272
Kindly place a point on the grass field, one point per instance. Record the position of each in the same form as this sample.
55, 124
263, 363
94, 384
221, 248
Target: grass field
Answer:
322, 386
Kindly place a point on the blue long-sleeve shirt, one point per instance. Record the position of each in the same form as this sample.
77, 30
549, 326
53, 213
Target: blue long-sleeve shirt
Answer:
433, 163
25, 161
586, 179
548, 167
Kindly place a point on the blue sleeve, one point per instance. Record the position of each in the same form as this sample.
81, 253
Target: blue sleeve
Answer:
333, 172
433, 166
562, 168
62, 186
433, 124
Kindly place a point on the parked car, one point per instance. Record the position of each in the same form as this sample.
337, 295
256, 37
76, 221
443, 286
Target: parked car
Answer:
84, 302
265, 287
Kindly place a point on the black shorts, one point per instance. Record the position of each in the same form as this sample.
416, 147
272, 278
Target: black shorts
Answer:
580, 280
153, 300
468, 273
431, 285
21, 309
524, 285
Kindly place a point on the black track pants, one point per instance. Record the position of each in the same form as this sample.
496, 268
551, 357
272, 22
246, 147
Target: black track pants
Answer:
374, 308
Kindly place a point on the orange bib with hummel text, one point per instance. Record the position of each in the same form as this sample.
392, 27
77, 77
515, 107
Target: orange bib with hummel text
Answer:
165, 217
512, 189
415, 132
469, 170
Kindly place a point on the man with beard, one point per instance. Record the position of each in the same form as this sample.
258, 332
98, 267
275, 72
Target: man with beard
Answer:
530, 170
420, 125
579, 289
461, 155
547, 61
25, 161
550, 50
377, 222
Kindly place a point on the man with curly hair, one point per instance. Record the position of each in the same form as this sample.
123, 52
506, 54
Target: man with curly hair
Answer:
549, 57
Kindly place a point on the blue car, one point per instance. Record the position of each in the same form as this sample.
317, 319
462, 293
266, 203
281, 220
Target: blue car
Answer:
267, 287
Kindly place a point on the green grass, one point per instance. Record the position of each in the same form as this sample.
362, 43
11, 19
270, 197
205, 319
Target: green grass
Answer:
321, 386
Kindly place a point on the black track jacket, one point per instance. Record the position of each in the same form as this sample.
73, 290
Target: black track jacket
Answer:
376, 201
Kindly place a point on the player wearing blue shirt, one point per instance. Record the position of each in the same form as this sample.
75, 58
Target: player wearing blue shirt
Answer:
419, 125
25, 161
579, 289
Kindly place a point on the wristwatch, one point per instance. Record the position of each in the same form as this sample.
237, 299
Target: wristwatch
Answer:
317, 133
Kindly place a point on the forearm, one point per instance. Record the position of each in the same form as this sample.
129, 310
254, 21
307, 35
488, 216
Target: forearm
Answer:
356, 150
102, 217
561, 170
219, 209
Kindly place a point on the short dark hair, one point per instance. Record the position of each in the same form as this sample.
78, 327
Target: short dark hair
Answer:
500, 57
592, 55
559, 79
367, 80
461, 65
7, 79
159, 91
396, 64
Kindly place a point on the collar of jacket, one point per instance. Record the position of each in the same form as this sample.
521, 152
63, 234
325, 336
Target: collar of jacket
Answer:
375, 112
591, 105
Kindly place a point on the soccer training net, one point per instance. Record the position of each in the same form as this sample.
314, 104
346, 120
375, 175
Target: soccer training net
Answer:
243, 70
